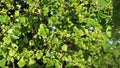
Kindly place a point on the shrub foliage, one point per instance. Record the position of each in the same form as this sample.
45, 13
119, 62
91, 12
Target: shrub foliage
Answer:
57, 34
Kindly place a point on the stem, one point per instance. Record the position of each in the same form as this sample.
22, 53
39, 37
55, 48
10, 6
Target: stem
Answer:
13, 64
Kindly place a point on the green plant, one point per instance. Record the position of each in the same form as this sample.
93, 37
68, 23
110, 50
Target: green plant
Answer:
57, 34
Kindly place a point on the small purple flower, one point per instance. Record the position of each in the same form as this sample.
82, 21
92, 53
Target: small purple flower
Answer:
111, 42
48, 55
91, 28
17, 20
35, 36
53, 27
51, 12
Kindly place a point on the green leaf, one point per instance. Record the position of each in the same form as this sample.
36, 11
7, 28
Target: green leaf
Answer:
14, 33
79, 33
28, 54
12, 52
4, 19
79, 8
103, 3
89, 59
15, 46
31, 61
14, 37
39, 54
43, 31
55, 41
57, 64
16, 26
2, 62
31, 43
25, 39
64, 47
17, 12
102, 15
46, 10
50, 63
22, 20
21, 62
7, 40
62, 1
109, 33
75, 29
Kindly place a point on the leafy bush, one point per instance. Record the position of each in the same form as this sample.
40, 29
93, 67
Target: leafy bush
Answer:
57, 34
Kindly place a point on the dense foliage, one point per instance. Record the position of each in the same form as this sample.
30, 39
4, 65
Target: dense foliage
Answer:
57, 34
